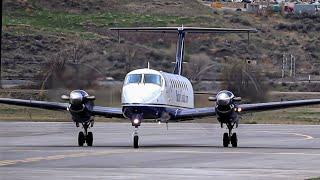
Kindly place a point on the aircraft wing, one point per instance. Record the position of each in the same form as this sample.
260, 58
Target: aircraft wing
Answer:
97, 110
108, 111
188, 114
35, 104
277, 105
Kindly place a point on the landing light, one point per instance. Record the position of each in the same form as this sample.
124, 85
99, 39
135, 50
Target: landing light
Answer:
237, 109
136, 121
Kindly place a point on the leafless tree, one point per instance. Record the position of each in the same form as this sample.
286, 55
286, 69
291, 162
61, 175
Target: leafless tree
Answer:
197, 66
244, 80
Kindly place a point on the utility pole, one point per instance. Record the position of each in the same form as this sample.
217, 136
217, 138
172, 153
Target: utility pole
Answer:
283, 65
292, 66
1, 45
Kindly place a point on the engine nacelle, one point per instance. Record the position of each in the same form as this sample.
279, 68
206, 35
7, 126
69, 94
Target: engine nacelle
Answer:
225, 106
80, 105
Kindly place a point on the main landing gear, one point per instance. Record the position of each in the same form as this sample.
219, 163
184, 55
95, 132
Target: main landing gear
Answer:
230, 137
85, 136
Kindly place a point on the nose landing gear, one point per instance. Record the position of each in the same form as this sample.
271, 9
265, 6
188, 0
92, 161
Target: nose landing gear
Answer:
136, 122
135, 138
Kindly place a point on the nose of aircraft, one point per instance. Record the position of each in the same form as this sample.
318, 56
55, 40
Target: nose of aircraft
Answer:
140, 93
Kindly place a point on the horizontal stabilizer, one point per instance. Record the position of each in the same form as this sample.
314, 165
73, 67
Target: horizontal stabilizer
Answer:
182, 31
185, 29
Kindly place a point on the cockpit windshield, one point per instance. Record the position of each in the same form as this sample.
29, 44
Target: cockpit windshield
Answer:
147, 79
133, 78
152, 79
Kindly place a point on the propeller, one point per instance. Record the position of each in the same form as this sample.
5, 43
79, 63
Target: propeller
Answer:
78, 97
224, 98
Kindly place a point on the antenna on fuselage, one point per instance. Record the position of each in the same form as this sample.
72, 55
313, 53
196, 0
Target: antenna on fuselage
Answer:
181, 36
148, 65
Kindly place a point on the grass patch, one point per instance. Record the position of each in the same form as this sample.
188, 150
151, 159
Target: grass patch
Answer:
65, 22
300, 115
317, 178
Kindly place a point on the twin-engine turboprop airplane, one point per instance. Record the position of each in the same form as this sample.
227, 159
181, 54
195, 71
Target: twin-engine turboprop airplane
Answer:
151, 94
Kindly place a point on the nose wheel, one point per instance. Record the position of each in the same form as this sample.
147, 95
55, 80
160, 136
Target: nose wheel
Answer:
135, 141
135, 138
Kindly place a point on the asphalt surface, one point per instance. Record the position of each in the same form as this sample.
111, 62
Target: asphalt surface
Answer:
30, 150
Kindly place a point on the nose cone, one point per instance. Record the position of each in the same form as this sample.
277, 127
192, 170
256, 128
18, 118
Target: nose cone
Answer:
76, 98
140, 93
224, 98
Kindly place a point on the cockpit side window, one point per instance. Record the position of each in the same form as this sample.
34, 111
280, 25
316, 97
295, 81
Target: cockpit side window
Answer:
152, 78
133, 78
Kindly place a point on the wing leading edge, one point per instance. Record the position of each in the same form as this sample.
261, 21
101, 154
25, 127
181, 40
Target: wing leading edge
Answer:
108, 111
57, 106
277, 105
188, 114
181, 114
35, 104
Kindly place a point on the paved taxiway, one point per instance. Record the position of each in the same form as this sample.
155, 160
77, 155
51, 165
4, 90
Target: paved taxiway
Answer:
30, 150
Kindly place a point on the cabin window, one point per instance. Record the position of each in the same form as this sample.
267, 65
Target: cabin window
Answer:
133, 78
152, 79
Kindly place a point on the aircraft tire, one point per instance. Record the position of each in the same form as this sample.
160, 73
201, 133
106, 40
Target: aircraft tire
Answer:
89, 139
226, 140
136, 142
234, 140
81, 139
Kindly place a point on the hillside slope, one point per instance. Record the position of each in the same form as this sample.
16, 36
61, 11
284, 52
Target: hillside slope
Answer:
71, 39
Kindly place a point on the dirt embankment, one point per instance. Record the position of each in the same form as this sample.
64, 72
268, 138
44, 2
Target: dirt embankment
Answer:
43, 34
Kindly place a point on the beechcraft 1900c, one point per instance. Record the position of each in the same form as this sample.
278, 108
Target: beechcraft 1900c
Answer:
152, 94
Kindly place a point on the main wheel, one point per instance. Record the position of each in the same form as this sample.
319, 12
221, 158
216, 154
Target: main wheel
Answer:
81, 138
234, 140
89, 139
226, 140
136, 142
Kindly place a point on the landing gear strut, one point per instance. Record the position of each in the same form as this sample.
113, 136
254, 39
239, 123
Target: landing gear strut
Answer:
136, 121
135, 138
230, 137
85, 136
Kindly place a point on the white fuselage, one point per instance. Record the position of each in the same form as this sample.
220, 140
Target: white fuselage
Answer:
149, 87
